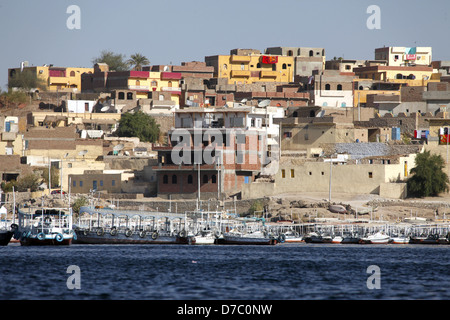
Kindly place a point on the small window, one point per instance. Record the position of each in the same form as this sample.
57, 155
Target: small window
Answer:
370, 175
190, 179
327, 86
205, 178
81, 183
310, 173
288, 134
339, 87
121, 95
323, 173
174, 179
284, 66
129, 95
101, 183
113, 182
72, 73
166, 179
292, 173
283, 173
213, 178
74, 183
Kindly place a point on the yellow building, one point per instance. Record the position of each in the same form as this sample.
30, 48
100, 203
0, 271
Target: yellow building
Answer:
144, 82
412, 76
55, 78
252, 67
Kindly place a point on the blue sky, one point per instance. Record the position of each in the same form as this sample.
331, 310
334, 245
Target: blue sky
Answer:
188, 30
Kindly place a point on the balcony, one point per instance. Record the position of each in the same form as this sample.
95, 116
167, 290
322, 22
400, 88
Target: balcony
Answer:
139, 88
173, 90
269, 74
240, 73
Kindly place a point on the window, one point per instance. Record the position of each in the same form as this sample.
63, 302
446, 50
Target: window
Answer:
166, 179
72, 73
138, 83
101, 183
205, 178
225, 66
174, 179
311, 53
327, 86
113, 182
121, 95
288, 134
290, 53
242, 66
81, 183
284, 66
129, 95
283, 173
258, 65
190, 179
154, 83
348, 67
310, 173
339, 87
370, 175
213, 178
292, 173
74, 183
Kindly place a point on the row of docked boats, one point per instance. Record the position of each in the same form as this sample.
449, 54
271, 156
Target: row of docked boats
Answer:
56, 226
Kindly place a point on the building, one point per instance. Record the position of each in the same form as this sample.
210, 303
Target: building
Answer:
347, 65
409, 75
332, 88
214, 151
244, 66
405, 56
129, 86
306, 60
63, 79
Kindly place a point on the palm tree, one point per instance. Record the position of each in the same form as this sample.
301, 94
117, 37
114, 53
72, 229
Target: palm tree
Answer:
138, 61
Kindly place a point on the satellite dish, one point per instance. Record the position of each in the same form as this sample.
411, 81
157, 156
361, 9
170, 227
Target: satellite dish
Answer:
244, 100
264, 103
104, 109
118, 147
82, 153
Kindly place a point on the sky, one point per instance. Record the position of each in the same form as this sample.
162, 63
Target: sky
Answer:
175, 31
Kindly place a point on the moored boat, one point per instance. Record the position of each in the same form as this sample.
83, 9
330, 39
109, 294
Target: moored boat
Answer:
376, 238
103, 226
45, 226
254, 238
401, 239
7, 229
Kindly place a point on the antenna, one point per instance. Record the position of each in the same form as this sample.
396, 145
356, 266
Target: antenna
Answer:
118, 147
264, 103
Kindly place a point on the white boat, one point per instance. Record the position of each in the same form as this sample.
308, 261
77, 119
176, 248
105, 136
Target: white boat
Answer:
293, 237
337, 239
255, 238
377, 238
206, 237
400, 239
45, 226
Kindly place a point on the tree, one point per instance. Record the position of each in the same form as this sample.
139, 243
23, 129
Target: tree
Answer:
428, 177
30, 181
139, 125
115, 61
26, 80
138, 61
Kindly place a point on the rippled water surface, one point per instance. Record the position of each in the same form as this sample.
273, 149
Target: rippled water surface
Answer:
188, 272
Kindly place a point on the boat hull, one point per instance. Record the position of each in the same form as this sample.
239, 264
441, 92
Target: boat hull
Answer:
32, 241
247, 240
119, 238
5, 237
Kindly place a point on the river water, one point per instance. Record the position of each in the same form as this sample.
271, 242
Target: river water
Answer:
193, 272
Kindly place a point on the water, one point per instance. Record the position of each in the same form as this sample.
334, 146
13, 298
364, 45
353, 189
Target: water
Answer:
188, 272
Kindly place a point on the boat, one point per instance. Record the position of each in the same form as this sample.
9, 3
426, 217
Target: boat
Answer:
106, 226
253, 238
376, 238
45, 226
206, 237
293, 237
400, 239
314, 237
337, 208
337, 239
426, 239
7, 230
